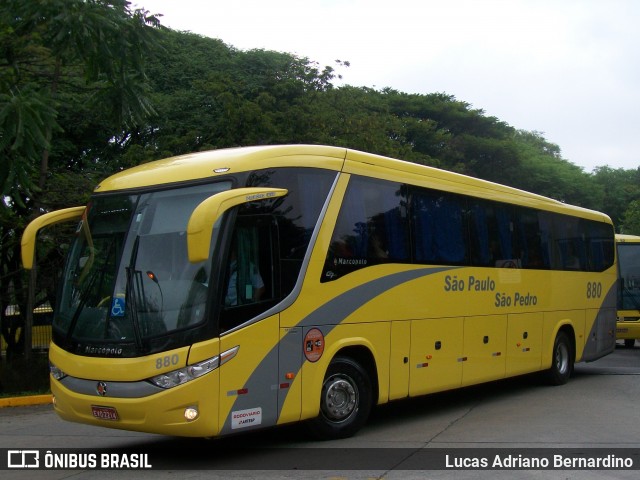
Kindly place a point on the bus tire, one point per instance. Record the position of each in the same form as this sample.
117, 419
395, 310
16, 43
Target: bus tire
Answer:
345, 401
629, 342
561, 360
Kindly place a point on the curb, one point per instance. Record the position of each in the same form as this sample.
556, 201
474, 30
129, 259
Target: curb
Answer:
26, 401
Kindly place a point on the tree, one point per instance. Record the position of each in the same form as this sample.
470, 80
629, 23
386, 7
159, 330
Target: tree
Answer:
47, 45
93, 50
544, 171
621, 187
631, 219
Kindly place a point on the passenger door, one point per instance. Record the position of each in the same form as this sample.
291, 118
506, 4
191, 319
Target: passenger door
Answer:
250, 287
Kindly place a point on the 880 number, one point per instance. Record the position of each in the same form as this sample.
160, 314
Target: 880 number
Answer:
594, 289
167, 361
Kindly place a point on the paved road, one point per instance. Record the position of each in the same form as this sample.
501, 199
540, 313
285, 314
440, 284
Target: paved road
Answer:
598, 409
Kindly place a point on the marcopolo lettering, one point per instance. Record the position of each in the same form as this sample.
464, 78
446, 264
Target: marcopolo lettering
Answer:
110, 351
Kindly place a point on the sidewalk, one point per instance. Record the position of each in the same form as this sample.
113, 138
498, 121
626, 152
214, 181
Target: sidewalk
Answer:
26, 400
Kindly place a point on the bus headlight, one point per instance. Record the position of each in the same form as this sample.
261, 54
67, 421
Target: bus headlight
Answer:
56, 372
186, 374
191, 372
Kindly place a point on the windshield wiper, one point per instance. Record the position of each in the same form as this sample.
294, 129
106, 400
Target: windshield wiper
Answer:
94, 276
82, 302
131, 296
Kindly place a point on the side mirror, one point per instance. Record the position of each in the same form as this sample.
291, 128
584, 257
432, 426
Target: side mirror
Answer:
28, 242
205, 215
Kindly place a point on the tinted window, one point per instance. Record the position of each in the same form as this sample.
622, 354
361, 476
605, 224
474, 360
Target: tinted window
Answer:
371, 227
438, 225
492, 240
629, 271
600, 246
529, 238
383, 221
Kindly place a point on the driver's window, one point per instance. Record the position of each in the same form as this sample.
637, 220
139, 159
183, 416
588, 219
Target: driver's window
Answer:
250, 283
244, 281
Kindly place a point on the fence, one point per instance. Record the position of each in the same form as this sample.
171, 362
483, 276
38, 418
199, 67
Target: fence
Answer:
40, 333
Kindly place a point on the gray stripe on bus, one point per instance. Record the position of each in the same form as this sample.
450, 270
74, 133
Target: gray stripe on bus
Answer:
597, 344
334, 311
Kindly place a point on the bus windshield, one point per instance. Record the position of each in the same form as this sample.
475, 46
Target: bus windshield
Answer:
629, 269
128, 278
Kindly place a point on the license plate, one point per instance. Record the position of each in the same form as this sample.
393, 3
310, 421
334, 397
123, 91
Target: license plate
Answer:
104, 413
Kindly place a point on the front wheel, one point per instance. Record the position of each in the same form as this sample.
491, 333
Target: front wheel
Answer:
629, 343
562, 360
345, 401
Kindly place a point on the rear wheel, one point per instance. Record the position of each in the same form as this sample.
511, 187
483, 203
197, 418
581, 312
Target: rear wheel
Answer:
629, 343
345, 401
561, 361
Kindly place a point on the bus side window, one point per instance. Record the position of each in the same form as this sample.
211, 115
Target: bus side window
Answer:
371, 228
438, 223
600, 246
529, 241
570, 243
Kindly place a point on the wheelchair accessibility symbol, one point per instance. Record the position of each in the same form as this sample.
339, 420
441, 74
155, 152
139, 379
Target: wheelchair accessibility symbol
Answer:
117, 307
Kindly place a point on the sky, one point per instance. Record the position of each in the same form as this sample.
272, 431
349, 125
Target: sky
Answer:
568, 69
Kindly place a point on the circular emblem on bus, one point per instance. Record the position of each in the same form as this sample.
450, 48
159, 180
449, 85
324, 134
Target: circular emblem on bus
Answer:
313, 345
101, 388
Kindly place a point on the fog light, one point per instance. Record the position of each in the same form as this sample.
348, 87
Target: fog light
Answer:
191, 413
53, 400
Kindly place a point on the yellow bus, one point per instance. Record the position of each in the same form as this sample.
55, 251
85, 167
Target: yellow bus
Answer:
40, 330
231, 290
628, 252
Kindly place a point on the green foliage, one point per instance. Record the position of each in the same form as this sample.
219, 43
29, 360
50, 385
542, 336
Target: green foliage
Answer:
26, 117
51, 50
631, 219
72, 92
620, 187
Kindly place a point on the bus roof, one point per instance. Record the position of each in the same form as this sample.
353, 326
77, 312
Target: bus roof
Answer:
623, 238
216, 163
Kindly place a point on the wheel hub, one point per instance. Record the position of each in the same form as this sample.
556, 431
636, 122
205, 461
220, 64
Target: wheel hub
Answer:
562, 359
340, 399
